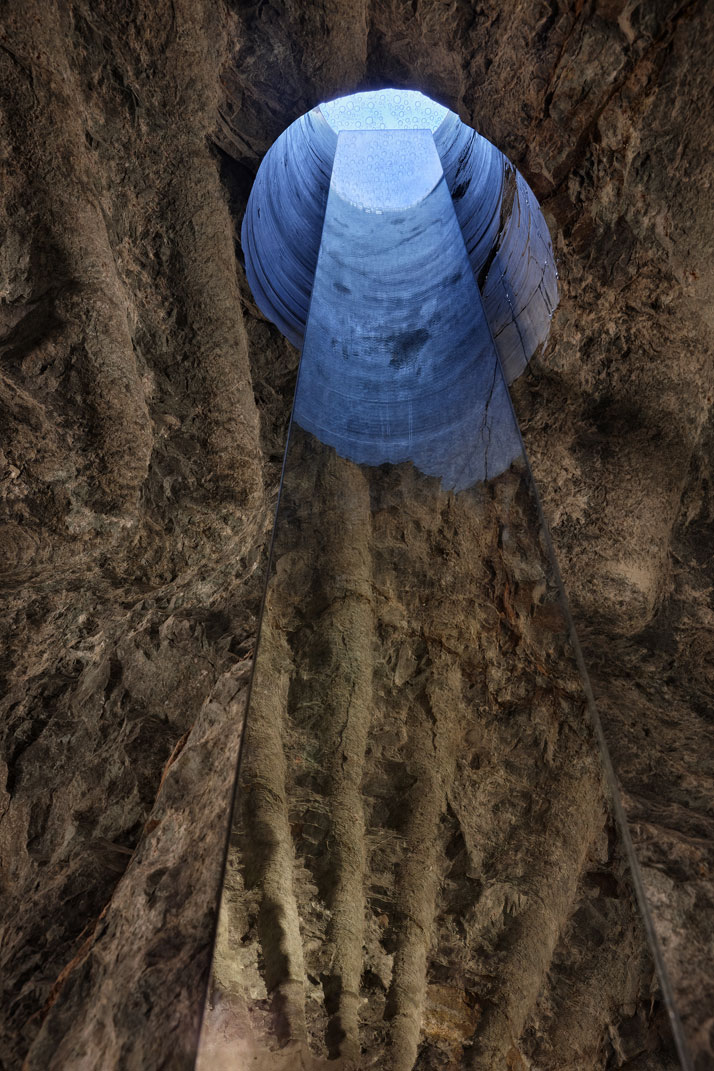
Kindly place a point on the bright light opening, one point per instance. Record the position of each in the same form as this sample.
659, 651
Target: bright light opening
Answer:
384, 109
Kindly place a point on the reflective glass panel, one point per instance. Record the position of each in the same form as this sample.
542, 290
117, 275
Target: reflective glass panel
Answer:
425, 868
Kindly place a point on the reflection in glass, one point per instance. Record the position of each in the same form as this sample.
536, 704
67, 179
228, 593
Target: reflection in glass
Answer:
418, 876
384, 109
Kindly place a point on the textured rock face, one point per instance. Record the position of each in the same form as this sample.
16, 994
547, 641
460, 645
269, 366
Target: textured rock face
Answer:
135, 370
422, 873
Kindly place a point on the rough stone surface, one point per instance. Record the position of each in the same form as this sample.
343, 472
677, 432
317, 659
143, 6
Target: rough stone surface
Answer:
422, 871
134, 373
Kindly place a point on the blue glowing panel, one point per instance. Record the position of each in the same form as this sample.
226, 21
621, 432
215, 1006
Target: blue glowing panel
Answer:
384, 109
283, 222
398, 362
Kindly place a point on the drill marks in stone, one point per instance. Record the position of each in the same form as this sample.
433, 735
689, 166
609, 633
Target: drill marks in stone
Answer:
267, 842
431, 760
341, 635
520, 290
386, 170
283, 222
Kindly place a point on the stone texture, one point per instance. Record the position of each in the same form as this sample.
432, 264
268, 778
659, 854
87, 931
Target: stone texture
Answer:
423, 872
133, 461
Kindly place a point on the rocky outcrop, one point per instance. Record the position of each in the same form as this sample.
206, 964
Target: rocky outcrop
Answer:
138, 483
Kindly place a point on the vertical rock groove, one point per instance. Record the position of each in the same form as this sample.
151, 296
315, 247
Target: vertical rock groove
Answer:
344, 634
431, 760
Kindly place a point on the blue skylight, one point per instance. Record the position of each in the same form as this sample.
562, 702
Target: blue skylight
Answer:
384, 109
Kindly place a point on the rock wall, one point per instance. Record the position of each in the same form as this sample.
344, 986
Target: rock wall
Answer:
424, 871
144, 406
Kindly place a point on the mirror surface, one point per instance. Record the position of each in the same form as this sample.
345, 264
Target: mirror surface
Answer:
425, 870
